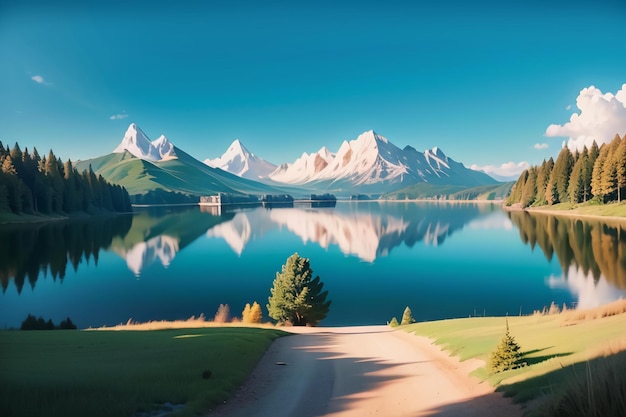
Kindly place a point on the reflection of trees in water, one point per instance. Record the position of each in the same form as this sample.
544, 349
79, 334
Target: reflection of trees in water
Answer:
598, 248
26, 251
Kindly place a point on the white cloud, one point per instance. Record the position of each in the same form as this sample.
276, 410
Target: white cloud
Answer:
508, 171
540, 146
601, 117
119, 116
38, 79
569, 107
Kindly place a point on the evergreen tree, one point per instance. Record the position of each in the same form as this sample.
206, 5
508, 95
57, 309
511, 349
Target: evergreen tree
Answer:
620, 165
507, 355
577, 178
516, 192
394, 322
529, 193
543, 176
597, 174
407, 316
560, 175
295, 297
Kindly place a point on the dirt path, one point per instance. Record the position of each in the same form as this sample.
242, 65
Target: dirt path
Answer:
362, 371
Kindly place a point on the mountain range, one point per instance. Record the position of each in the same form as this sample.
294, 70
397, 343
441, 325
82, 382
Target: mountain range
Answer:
369, 164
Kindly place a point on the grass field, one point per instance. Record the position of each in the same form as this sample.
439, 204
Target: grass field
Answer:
120, 373
557, 347
590, 208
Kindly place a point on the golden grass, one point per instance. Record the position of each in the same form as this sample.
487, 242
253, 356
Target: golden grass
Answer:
191, 323
571, 317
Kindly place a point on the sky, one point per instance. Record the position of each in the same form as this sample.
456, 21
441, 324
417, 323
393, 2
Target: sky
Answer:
495, 84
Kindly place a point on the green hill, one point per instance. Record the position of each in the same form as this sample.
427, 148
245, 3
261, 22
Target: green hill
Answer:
450, 192
184, 175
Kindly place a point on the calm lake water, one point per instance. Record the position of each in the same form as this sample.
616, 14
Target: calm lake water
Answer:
443, 260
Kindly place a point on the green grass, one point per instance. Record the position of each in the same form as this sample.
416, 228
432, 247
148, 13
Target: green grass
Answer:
105, 373
547, 342
593, 208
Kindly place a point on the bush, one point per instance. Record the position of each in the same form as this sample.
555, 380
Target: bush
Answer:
252, 313
222, 314
33, 323
407, 317
507, 355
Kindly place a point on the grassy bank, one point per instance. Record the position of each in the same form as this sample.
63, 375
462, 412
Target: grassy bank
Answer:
591, 209
557, 348
104, 373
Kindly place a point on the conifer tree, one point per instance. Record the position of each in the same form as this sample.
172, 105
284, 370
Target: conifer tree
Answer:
620, 165
597, 174
295, 297
543, 176
529, 193
507, 355
394, 322
407, 316
560, 174
252, 313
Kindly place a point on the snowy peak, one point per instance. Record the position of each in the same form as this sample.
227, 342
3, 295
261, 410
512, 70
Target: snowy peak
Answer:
436, 157
137, 143
241, 162
304, 169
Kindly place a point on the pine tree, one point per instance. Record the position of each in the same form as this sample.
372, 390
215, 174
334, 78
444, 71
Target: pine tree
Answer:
597, 174
529, 193
407, 316
295, 297
560, 175
620, 165
507, 355
394, 322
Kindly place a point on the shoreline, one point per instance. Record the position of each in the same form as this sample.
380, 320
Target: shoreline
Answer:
566, 213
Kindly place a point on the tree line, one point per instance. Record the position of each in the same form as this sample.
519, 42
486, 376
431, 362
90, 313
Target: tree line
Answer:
597, 173
30, 183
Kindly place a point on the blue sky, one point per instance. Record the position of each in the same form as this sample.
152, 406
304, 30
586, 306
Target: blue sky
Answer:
481, 80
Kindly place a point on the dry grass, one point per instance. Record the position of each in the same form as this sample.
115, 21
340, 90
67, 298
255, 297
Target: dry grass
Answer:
572, 317
191, 323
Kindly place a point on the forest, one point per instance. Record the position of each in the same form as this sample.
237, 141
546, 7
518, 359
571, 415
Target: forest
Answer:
595, 174
31, 184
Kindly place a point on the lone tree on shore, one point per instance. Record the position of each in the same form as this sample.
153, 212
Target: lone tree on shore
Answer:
295, 297
507, 355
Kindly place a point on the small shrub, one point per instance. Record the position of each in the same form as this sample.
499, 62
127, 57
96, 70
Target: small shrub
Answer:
252, 313
507, 355
407, 317
222, 314
394, 322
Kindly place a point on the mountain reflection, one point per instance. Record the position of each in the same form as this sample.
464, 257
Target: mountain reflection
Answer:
158, 235
365, 230
591, 253
27, 251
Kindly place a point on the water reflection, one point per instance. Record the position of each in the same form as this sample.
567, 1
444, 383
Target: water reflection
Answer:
591, 253
158, 235
27, 251
365, 230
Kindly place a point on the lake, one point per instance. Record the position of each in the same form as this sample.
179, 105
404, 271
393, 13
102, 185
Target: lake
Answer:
444, 260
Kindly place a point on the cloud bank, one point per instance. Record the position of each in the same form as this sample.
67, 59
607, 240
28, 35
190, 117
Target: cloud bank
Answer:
601, 117
509, 171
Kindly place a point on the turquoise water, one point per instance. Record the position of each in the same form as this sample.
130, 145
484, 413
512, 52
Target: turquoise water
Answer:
442, 260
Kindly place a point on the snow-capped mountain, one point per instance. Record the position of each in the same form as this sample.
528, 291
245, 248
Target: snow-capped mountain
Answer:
304, 169
241, 162
369, 163
372, 163
137, 143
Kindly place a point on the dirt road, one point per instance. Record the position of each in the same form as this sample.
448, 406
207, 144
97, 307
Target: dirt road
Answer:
362, 371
